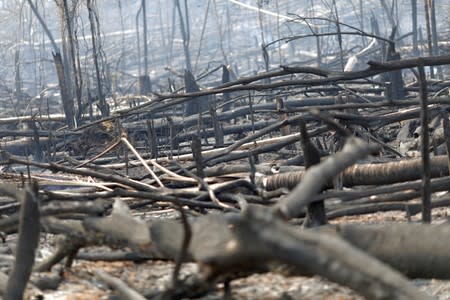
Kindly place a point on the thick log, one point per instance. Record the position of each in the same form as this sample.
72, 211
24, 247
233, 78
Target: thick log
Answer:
416, 250
369, 174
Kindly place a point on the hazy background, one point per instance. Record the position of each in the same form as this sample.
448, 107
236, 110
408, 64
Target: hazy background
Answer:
221, 32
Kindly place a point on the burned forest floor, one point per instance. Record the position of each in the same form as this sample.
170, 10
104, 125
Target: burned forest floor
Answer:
80, 283
298, 183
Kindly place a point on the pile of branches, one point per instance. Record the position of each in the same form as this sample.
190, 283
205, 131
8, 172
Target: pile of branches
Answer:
238, 213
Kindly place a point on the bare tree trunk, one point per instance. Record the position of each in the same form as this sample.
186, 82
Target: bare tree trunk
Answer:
197, 104
219, 29
78, 81
414, 27
202, 35
65, 55
138, 36
104, 109
429, 39
361, 12
318, 42
263, 41
68, 104
389, 14
339, 35
435, 35
185, 32
144, 23
162, 26
145, 85
17, 77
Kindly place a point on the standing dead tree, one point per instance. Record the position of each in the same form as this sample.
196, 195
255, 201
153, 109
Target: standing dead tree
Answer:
67, 100
67, 16
145, 85
93, 20
185, 31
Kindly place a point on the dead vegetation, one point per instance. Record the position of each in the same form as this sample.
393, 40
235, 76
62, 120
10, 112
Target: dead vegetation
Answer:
297, 182
253, 187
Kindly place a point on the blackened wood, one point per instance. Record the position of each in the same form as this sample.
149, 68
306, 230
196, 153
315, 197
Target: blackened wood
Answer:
145, 85
172, 135
370, 174
28, 240
153, 139
424, 134
197, 104
370, 208
285, 130
196, 147
226, 96
333, 78
257, 241
396, 88
429, 38
446, 127
93, 21
67, 101
38, 153
315, 211
414, 27
183, 251
318, 176
217, 126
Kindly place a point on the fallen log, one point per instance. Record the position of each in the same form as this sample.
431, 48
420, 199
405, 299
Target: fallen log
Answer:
368, 174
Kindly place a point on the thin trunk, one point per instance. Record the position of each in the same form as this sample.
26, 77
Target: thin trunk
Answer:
318, 42
172, 32
161, 28
263, 40
277, 6
65, 48
414, 27
76, 72
68, 104
424, 139
429, 40
388, 13
205, 20
17, 78
435, 35
361, 11
219, 29
101, 98
229, 27
122, 29
138, 36
144, 23
339, 35
145, 85
185, 33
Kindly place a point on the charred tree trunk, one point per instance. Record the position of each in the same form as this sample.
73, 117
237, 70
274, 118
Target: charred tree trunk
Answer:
145, 84
435, 35
185, 32
226, 96
414, 27
103, 106
429, 38
395, 88
198, 104
67, 100
315, 211
65, 54
78, 81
